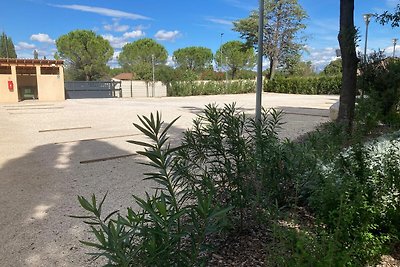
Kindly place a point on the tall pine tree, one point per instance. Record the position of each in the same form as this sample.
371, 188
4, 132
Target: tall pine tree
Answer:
7, 49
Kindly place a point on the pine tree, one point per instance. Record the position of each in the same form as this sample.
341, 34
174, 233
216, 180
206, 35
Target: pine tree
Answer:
7, 49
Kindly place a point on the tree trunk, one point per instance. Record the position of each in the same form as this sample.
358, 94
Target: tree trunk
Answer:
346, 39
272, 67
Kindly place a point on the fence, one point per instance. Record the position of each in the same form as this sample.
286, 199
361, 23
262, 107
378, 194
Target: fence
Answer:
92, 89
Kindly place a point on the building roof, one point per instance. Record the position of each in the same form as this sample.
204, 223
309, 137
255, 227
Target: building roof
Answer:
124, 76
29, 62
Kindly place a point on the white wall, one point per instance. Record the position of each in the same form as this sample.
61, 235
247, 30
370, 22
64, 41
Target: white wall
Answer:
140, 89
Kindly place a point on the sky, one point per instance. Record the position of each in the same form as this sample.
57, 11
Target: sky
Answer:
36, 24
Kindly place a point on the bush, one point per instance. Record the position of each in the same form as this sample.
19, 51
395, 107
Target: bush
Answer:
380, 80
211, 88
230, 170
326, 85
198, 184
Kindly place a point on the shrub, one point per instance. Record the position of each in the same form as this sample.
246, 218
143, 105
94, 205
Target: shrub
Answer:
198, 184
211, 88
172, 224
380, 80
305, 85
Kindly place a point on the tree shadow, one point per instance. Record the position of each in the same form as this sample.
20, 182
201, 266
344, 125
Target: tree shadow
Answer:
39, 190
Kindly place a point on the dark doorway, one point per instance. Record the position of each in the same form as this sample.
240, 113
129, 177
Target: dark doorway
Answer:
27, 83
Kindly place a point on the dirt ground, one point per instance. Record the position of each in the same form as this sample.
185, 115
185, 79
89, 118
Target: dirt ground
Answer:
52, 152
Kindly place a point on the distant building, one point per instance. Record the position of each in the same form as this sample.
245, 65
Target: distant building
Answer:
23, 79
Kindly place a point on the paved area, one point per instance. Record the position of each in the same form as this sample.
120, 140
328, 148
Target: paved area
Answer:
50, 153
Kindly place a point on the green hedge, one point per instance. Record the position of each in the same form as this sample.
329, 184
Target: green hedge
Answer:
321, 85
211, 88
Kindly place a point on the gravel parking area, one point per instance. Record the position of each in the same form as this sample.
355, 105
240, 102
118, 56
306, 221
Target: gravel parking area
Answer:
52, 152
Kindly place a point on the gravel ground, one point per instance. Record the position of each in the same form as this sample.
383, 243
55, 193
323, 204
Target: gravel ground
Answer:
49, 154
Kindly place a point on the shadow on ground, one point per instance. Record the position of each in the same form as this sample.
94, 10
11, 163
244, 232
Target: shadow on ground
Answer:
39, 190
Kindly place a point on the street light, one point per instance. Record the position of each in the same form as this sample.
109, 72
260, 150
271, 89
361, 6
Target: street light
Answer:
222, 34
259, 61
367, 18
153, 65
394, 46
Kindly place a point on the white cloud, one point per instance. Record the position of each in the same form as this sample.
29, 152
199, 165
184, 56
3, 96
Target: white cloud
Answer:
134, 34
220, 21
170, 62
42, 37
24, 46
104, 11
113, 63
320, 57
241, 4
164, 35
389, 50
116, 27
115, 42
119, 42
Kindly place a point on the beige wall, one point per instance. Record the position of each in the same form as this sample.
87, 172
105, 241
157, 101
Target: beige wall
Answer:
51, 87
139, 89
7, 96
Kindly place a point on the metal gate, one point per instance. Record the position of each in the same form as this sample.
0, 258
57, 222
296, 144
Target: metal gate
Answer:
92, 89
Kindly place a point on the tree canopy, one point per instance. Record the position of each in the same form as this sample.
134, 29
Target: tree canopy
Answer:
236, 56
86, 54
334, 68
194, 58
294, 66
137, 57
283, 23
7, 49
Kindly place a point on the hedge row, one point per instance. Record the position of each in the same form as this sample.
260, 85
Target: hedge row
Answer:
321, 85
211, 88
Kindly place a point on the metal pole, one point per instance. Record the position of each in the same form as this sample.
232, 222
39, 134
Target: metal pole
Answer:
222, 34
154, 79
226, 72
259, 63
367, 18
394, 46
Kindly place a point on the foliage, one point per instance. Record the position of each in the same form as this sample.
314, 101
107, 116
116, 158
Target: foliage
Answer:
7, 49
380, 80
137, 57
35, 54
86, 54
191, 88
393, 18
305, 85
235, 56
294, 66
221, 147
283, 23
334, 68
357, 199
172, 224
194, 58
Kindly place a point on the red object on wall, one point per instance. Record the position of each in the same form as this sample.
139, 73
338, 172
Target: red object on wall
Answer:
10, 85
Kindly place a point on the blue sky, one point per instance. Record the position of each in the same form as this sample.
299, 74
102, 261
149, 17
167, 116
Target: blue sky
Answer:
35, 24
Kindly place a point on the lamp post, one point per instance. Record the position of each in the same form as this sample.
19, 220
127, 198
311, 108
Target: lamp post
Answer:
367, 19
394, 46
153, 65
222, 34
259, 61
